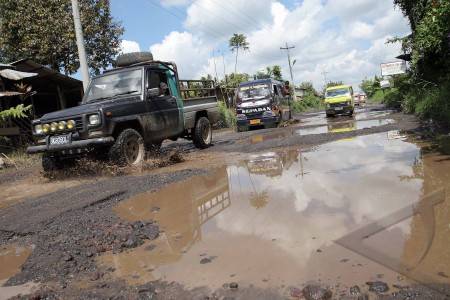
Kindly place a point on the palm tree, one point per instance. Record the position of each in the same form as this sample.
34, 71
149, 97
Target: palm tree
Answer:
238, 41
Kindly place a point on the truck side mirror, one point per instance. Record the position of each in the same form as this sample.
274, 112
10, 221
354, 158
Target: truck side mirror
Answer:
151, 93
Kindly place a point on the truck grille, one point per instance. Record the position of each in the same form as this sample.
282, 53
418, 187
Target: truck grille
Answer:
78, 123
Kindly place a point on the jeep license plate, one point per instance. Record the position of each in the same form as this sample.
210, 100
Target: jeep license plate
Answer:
255, 122
338, 108
59, 140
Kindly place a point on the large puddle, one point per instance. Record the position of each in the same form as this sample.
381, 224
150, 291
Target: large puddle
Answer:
12, 257
344, 126
351, 211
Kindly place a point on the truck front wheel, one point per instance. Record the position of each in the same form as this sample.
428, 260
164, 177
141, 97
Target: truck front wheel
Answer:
202, 135
51, 163
128, 149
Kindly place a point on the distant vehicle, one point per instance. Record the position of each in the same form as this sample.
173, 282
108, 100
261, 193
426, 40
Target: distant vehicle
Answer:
263, 103
339, 100
356, 99
125, 111
362, 98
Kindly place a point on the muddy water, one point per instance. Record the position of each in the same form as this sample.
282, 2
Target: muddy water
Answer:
349, 212
344, 126
11, 259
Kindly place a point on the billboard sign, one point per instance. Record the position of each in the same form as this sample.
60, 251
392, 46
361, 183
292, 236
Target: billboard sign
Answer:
384, 84
393, 68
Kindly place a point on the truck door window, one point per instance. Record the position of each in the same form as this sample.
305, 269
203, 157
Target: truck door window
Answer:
275, 90
157, 79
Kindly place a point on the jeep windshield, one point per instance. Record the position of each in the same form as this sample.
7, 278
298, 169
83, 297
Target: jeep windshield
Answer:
252, 92
114, 84
337, 93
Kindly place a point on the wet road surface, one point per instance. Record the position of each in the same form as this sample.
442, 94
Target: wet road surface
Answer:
366, 212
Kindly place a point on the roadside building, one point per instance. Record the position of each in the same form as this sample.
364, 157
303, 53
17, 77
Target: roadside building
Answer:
29, 83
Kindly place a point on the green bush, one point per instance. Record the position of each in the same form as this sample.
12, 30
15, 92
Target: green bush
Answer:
377, 96
309, 102
227, 116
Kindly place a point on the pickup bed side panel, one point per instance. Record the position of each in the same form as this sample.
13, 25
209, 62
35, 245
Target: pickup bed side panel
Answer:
192, 107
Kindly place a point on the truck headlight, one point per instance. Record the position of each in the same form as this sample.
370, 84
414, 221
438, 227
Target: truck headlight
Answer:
268, 114
94, 120
38, 129
70, 124
45, 128
241, 117
62, 125
53, 126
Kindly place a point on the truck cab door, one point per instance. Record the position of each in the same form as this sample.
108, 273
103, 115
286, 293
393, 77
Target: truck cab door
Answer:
163, 111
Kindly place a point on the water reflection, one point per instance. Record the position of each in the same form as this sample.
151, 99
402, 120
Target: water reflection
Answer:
266, 217
346, 125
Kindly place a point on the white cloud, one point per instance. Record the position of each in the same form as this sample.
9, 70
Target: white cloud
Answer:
345, 38
129, 46
185, 50
169, 3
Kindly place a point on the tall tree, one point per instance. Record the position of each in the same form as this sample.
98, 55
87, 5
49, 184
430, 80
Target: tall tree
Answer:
238, 41
276, 73
44, 32
273, 72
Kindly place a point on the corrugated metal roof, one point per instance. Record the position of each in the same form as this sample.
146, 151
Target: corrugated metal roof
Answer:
27, 65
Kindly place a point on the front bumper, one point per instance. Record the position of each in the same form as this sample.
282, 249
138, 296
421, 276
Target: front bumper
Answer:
338, 109
73, 145
264, 121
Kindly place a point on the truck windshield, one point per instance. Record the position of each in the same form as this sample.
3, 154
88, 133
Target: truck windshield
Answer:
114, 84
337, 93
251, 92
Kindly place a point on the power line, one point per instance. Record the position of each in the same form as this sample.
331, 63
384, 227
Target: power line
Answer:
159, 6
249, 19
219, 16
288, 48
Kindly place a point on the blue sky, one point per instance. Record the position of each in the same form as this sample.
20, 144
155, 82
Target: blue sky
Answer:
344, 38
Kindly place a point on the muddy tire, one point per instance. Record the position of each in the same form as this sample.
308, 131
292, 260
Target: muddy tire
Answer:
51, 163
128, 149
202, 135
154, 149
128, 59
329, 115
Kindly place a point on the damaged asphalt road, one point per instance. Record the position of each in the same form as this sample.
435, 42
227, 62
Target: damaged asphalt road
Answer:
283, 195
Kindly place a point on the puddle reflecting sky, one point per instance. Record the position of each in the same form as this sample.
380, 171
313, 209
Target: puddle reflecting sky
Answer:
344, 126
272, 219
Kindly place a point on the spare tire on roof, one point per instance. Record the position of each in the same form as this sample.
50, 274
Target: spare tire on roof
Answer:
132, 58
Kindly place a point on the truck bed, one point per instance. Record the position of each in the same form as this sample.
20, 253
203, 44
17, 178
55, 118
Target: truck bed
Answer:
204, 105
199, 97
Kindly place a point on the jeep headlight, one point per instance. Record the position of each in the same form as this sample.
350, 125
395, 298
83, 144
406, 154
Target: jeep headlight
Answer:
38, 129
53, 126
62, 125
45, 128
70, 124
94, 120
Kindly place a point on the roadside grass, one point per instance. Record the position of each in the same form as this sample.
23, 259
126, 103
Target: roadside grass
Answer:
19, 159
227, 116
308, 103
377, 98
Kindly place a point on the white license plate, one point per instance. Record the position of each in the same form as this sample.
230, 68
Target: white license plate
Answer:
59, 140
338, 108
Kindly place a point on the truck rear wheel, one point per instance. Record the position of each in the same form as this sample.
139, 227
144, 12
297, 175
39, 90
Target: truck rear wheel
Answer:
128, 149
202, 135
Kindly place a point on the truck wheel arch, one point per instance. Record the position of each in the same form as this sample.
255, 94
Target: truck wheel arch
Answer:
200, 114
132, 124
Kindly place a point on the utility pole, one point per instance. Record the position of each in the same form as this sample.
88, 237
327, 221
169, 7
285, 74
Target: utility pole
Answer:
215, 66
324, 73
80, 44
288, 48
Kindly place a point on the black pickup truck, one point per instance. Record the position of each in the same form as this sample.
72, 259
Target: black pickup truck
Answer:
128, 110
